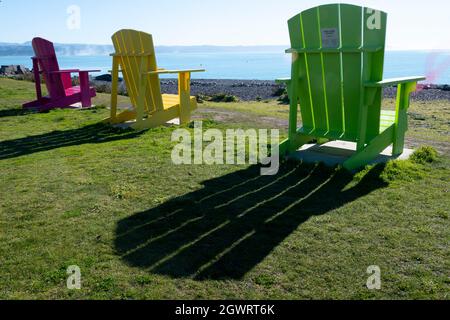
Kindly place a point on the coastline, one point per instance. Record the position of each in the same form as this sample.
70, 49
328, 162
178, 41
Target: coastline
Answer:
254, 90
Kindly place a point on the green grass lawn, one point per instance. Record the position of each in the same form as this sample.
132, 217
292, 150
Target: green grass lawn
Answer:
74, 192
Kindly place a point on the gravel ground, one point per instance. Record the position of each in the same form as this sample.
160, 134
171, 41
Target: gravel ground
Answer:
246, 90
425, 94
249, 90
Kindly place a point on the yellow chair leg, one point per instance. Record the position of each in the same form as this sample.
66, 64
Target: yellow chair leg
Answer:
184, 88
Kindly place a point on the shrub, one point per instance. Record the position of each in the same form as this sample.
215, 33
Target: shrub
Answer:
201, 98
279, 91
284, 99
102, 87
402, 170
424, 155
282, 95
29, 77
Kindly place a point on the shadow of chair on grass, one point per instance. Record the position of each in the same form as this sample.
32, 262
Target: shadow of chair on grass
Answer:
14, 112
96, 133
225, 229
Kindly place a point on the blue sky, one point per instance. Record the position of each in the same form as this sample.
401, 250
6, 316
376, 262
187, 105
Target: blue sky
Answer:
412, 24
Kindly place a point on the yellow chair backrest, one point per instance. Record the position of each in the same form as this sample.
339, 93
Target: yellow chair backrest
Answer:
136, 55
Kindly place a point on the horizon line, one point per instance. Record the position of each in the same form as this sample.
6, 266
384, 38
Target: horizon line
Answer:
27, 43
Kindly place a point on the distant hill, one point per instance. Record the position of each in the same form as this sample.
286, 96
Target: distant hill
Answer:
25, 49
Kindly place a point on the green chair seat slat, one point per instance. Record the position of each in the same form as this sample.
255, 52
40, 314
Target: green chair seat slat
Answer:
387, 114
384, 128
387, 119
327, 134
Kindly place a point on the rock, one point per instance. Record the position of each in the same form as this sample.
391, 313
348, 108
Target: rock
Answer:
424, 86
13, 70
417, 116
6, 70
22, 70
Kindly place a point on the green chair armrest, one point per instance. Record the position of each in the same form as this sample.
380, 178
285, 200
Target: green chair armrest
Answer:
394, 81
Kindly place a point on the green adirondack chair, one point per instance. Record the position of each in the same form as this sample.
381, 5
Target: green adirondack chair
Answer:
337, 71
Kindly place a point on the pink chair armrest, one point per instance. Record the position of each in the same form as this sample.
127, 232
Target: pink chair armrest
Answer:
72, 71
89, 71
64, 71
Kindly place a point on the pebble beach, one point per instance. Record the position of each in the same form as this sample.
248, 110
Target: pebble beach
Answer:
253, 90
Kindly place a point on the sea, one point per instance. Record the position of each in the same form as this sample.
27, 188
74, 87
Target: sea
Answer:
259, 65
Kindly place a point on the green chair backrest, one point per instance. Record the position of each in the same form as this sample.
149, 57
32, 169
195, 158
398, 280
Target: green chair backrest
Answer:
136, 54
337, 48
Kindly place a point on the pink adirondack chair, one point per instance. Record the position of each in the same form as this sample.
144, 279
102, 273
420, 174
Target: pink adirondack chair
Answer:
61, 93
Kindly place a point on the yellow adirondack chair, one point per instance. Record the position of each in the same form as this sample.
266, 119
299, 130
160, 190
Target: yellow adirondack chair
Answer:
135, 56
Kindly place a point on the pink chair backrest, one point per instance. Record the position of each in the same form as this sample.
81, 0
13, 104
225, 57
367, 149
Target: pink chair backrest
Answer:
45, 53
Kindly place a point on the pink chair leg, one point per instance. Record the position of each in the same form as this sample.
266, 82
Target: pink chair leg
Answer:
84, 86
37, 78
